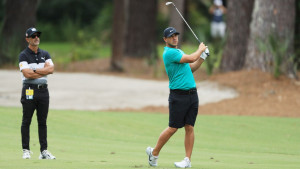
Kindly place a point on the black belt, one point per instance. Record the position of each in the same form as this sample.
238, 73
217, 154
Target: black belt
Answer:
35, 86
184, 92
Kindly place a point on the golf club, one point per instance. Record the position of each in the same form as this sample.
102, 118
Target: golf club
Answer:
206, 50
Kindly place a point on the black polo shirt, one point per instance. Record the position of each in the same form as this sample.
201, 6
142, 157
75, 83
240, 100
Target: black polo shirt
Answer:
30, 60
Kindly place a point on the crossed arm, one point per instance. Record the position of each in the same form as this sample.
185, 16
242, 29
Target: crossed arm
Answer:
46, 70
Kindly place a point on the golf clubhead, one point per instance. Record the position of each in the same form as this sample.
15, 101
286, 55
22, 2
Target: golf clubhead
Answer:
169, 3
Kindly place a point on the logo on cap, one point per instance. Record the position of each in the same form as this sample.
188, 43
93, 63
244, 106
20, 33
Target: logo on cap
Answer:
168, 32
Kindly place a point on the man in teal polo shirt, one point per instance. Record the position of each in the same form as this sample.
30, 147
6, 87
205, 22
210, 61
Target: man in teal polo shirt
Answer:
183, 98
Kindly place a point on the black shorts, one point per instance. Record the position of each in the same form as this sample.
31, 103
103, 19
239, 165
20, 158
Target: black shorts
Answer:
183, 108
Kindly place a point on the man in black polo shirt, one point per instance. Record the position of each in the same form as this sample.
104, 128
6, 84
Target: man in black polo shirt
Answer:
35, 64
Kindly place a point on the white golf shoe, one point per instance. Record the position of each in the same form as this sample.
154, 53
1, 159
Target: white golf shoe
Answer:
26, 154
185, 163
46, 155
152, 159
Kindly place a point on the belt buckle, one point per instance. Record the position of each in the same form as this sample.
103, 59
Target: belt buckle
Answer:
39, 86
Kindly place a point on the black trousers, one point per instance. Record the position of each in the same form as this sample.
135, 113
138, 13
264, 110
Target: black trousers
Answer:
40, 103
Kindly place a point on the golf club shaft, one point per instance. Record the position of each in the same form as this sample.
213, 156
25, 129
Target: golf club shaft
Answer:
206, 50
186, 23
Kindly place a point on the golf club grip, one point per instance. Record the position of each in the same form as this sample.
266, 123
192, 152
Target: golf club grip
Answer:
206, 50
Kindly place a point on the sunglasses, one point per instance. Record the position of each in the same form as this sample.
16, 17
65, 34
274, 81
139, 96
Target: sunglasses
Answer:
34, 36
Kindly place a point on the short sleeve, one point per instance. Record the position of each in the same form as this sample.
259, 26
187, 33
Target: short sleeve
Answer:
174, 55
23, 64
47, 55
48, 58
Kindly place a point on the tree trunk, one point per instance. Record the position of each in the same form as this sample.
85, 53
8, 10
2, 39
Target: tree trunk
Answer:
140, 31
297, 35
19, 16
271, 41
175, 19
118, 35
238, 29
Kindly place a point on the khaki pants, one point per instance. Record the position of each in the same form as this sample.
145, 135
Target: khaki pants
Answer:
218, 29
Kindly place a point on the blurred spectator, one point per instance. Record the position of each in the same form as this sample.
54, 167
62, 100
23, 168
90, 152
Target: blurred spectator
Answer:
217, 26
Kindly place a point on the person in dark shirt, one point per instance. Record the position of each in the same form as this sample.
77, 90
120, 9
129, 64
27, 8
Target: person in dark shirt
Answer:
218, 25
35, 64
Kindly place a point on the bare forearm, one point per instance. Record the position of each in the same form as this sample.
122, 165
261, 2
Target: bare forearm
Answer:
223, 9
194, 56
30, 74
195, 66
191, 58
45, 71
211, 9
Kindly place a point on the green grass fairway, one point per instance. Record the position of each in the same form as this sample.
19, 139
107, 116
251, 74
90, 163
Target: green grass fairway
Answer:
118, 140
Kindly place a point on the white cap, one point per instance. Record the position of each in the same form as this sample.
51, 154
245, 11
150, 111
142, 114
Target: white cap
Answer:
218, 2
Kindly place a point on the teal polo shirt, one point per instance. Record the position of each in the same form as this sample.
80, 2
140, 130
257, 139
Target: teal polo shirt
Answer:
180, 74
